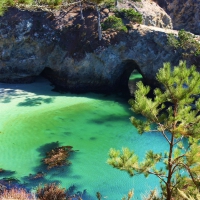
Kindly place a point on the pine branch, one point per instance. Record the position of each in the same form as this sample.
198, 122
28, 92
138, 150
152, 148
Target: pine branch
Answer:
151, 110
175, 160
159, 176
163, 132
190, 173
176, 165
178, 140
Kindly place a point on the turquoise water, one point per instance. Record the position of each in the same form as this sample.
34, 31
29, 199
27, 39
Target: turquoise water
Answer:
135, 75
34, 119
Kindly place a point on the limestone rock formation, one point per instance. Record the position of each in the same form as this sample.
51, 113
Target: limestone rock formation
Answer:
185, 14
67, 51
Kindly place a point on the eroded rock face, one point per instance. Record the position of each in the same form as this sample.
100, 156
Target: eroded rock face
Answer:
21, 46
153, 15
73, 58
185, 14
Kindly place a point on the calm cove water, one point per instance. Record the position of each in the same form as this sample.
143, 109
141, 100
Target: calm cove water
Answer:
33, 119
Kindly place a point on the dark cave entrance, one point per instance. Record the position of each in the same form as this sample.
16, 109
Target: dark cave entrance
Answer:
127, 81
50, 75
47, 73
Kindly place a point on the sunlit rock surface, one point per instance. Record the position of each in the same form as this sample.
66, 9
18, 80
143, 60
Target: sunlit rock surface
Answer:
152, 13
185, 14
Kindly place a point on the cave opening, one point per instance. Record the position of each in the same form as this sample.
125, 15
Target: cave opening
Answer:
47, 73
129, 77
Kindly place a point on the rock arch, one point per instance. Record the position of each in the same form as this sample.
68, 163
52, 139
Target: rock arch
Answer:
127, 66
95, 66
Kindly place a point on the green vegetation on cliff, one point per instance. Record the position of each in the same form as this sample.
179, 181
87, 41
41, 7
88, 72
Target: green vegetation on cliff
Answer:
185, 42
129, 14
5, 4
114, 22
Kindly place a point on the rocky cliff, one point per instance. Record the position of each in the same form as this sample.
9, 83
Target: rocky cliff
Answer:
185, 14
67, 51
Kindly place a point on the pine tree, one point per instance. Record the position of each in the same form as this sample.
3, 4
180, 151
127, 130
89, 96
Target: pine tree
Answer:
171, 111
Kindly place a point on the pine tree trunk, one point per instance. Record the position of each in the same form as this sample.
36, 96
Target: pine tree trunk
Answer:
169, 177
99, 23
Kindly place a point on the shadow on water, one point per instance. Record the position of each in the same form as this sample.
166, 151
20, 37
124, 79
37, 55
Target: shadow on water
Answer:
7, 94
74, 195
92, 138
103, 119
7, 173
67, 133
35, 101
47, 147
6, 100
41, 86
8, 179
32, 183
